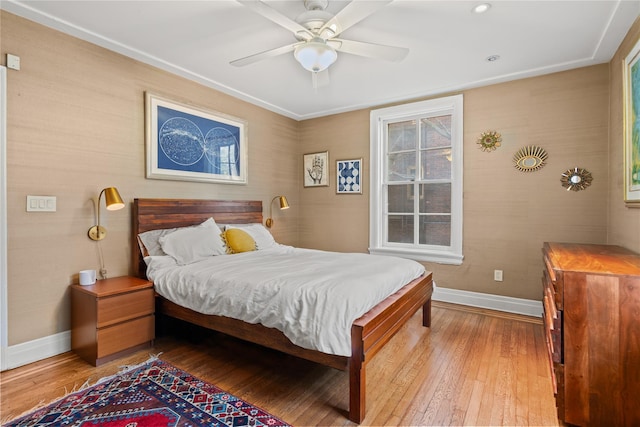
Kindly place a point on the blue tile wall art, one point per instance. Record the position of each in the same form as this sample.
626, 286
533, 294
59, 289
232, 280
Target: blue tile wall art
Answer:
349, 176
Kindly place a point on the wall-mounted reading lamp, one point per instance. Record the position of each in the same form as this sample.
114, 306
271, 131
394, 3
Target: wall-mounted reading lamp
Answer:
114, 202
283, 205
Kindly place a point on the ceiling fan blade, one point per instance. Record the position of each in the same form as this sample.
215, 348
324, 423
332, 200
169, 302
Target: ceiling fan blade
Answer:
370, 50
320, 79
351, 14
264, 55
275, 16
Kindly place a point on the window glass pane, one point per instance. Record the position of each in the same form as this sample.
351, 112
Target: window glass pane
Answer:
400, 228
435, 230
400, 198
435, 198
435, 164
435, 132
402, 167
402, 136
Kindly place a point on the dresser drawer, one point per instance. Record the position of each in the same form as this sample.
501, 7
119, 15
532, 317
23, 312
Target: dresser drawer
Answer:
554, 282
553, 328
122, 307
552, 370
125, 335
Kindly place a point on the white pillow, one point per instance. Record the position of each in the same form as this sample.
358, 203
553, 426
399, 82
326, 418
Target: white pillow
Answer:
191, 244
149, 240
260, 234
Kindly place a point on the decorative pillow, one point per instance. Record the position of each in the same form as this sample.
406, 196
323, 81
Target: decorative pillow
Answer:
190, 244
260, 234
238, 241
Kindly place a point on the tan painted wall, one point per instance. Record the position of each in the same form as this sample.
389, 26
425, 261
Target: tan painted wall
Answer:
75, 126
507, 214
330, 221
624, 222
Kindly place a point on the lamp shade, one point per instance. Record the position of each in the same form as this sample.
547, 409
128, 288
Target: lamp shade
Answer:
284, 204
315, 55
112, 199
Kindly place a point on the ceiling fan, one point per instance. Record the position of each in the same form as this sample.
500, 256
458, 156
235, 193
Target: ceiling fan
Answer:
317, 33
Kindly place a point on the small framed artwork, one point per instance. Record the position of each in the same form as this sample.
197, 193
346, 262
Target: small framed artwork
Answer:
349, 176
184, 142
631, 94
316, 169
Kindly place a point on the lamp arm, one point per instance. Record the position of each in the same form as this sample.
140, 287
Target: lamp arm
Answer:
99, 199
271, 206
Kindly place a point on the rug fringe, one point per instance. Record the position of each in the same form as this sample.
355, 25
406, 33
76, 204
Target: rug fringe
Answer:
123, 369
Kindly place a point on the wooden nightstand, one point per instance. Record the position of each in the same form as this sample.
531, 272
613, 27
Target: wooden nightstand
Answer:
111, 318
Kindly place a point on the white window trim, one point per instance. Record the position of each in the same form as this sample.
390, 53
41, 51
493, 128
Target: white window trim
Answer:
445, 255
4, 312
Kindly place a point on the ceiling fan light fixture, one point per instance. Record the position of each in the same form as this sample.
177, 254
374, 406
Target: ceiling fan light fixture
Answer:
315, 55
482, 8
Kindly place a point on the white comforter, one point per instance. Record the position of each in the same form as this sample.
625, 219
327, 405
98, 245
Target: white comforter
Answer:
312, 296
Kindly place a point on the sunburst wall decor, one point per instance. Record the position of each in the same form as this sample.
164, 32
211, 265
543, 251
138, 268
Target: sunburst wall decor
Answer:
576, 179
489, 140
529, 159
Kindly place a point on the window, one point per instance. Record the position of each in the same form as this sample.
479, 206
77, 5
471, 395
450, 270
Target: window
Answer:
416, 180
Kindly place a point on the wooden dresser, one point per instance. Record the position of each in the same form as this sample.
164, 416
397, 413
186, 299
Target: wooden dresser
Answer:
592, 323
112, 317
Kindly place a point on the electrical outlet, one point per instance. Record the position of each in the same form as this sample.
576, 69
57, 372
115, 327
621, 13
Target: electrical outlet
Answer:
497, 275
13, 62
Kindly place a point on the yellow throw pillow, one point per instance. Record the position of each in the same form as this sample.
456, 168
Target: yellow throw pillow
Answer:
238, 241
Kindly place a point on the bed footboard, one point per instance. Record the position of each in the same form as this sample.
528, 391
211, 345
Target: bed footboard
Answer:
370, 332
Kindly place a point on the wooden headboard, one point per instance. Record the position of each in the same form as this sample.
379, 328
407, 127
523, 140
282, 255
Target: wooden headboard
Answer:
155, 214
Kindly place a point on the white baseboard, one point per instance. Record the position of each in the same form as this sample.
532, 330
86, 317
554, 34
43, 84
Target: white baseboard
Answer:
493, 302
32, 351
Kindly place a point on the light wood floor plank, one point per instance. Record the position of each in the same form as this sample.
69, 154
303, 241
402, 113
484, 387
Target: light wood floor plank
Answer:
473, 367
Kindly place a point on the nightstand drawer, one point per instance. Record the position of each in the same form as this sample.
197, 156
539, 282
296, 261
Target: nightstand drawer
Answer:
125, 335
119, 308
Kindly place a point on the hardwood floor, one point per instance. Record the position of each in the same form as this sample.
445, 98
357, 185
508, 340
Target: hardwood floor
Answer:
472, 367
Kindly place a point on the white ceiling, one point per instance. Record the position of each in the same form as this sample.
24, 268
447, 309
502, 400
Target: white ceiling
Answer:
448, 45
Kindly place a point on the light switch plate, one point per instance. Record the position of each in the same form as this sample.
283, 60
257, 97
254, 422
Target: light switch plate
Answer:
41, 203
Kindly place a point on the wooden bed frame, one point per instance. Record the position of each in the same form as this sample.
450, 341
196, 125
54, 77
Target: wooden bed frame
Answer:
368, 333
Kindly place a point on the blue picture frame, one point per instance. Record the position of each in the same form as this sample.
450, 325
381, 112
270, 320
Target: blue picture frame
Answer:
349, 176
185, 142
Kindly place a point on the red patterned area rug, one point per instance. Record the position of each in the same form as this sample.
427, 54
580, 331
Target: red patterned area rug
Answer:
153, 394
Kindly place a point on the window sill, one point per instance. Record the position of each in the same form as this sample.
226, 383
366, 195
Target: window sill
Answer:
420, 255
